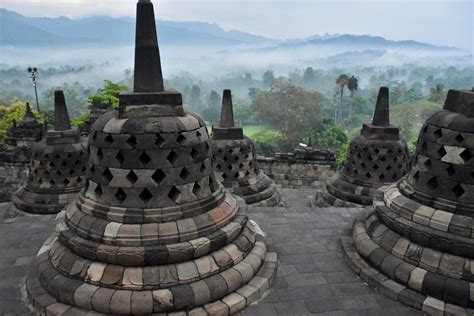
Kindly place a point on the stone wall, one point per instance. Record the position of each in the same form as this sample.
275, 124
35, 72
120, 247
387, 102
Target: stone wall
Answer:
290, 171
14, 170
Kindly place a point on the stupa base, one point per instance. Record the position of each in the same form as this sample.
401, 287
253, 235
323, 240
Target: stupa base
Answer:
404, 271
213, 290
41, 204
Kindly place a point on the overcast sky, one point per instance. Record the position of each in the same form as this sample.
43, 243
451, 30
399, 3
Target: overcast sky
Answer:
442, 22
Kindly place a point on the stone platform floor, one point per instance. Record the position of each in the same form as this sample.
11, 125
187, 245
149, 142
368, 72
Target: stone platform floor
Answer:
312, 278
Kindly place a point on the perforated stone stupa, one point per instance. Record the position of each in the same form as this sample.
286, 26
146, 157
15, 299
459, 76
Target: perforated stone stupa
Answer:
28, 132
153, 231
235, 161
417, 244
375, 158
58, 166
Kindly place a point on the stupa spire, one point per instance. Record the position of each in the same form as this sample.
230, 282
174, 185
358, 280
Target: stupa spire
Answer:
382, 110
29, 116
148, 76
227, 111
61, 117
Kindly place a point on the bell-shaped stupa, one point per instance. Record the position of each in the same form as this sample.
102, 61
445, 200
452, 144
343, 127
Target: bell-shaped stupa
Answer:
417, 245
235, 161
153, 232
25, 134
375, 158
58, 166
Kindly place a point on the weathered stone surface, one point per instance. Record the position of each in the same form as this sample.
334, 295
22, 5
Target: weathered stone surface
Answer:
430, 212
57, 169
153, 224
375, 158
235, 161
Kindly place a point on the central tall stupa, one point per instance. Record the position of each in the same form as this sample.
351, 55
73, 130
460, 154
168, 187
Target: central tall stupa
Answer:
153, 232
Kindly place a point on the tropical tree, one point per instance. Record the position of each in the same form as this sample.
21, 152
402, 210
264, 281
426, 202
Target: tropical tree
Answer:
268, 77
341, 81
437, 94
353, 86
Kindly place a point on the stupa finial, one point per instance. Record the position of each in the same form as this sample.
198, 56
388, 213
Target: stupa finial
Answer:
382, 110
148, 76
227, 111
61, 117
29, 116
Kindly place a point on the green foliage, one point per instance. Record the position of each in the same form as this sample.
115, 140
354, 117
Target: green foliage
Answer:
331, 137
292, 111
14, 112
242, 113
80, 121
107, 96
266, 142
342, 155
409, 117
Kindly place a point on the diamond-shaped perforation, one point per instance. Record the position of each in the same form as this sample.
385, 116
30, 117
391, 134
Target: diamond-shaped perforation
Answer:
120, 195
196, 189
194, 154
466, 155
52, 182
416, 176
424, 146
66, 181
172, 157
109, 140
146, 196
174, 194
159, 141
100, 155
459, 138
57, 156
442, 152
64, 164
428, 164
158, 176
71, 172
181, 139
368, 175
120, 158
107, 175
203, 168
451, 171
432, 183
458, 191
79, 180
198, 134
98, 190
382, 177
132, 177
144, 158
132, 141
58, 173
51, 164
438, 133
184, 174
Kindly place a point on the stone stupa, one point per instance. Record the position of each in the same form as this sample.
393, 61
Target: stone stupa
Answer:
27, 133
153, 232
235, 161
58, 166
375, 158
417, 245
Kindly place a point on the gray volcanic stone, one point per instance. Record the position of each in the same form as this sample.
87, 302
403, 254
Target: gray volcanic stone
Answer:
235, 162
153, 231
375, 158
430, 213
58, 167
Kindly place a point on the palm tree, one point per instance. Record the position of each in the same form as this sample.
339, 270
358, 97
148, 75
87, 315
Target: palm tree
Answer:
437, 93
342, 81
352, 85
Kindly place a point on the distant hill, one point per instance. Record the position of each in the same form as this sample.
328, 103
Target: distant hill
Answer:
21, 31
18, 30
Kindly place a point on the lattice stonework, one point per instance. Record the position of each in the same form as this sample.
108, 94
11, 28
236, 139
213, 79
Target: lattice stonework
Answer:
153, 231
58, 167
417, 243
235, 161
375, 158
